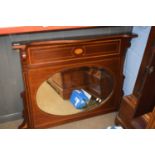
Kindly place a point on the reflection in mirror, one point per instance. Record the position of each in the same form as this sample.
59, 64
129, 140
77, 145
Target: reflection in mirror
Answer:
74, 90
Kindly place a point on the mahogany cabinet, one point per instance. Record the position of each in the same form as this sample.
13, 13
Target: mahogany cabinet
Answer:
136, 110
57, 59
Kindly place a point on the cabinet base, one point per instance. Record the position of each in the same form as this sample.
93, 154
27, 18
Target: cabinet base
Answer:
69, 119
126, 118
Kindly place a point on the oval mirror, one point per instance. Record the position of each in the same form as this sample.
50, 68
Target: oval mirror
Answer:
74, 90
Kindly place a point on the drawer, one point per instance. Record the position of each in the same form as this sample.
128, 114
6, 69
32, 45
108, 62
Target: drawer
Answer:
71, 51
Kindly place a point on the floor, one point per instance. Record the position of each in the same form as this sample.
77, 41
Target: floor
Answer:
97, 122
50, 102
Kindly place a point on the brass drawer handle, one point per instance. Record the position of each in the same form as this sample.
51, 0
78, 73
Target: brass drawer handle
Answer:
150, 69
78, 51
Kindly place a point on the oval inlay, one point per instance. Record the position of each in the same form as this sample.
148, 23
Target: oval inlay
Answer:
78, 51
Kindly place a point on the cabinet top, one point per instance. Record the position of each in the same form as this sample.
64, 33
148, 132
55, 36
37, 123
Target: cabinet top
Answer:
23, 45
30, 29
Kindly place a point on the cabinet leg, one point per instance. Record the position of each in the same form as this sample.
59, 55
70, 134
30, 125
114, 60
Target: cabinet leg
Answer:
24, 125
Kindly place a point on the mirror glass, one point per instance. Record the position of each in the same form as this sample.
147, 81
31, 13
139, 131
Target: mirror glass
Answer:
74, 90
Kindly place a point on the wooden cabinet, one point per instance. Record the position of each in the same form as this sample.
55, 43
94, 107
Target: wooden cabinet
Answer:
136, 110
61, 61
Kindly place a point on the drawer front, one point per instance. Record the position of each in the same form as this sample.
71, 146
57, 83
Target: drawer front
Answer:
60, 53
